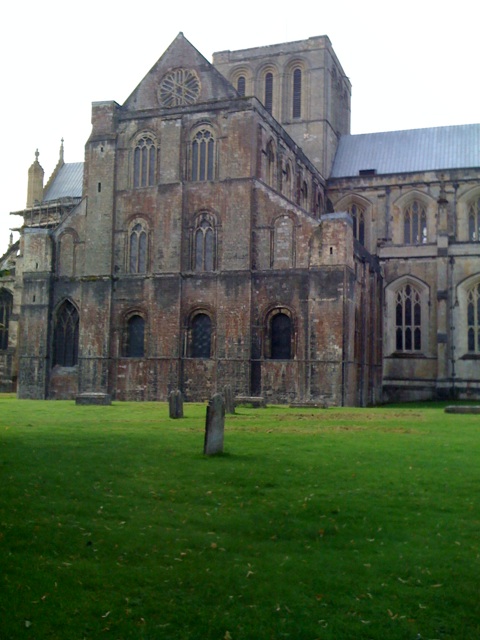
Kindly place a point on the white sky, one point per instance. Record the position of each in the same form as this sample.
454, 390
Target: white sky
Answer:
412, 64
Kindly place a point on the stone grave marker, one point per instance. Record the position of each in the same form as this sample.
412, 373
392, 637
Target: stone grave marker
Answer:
229, 399
214, 426
175, 404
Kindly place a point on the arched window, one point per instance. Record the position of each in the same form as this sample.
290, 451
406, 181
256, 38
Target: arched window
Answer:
473, 319
65, 338
287, 181
204, 244
144, 162
415, 223
318, 202
135, 337
200, 342
304, 195
6, 304
268, 92
408, 319
137, 248
203, 156
358, 217
474, 221
283, 243
241, 84
281, 337
297, 93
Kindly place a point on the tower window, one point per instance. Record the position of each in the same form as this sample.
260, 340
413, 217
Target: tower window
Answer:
269, 92
135, 338
144, 160
138, 249
200, 336
204, 248
241, 85
203, 156
297, 94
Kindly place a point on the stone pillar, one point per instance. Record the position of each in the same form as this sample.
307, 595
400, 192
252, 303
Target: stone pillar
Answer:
214, 426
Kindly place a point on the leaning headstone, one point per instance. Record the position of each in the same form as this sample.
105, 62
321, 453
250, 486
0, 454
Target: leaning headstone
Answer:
175, 404
229, 399
214, 426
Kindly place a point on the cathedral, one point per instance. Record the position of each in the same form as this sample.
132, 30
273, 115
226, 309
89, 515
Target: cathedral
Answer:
226, 228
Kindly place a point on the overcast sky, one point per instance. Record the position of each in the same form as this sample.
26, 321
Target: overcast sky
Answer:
412, 64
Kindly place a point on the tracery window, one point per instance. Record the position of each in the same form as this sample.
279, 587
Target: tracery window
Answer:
200, 334
144, 162
203, 155
6, 304
408, 319
268, 92
358, 217
137, 248
297, 93
474, 221
204, 244
473, 319
415, 223
135, 337
241, 85
65, 338
279, 343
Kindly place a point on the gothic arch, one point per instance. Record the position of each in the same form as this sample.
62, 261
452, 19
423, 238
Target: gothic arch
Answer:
467, 316
468, 216
414, 218
360, 210
144, 163
137, 250
67, 242
406, 322
66, 328
204, 242
202, 154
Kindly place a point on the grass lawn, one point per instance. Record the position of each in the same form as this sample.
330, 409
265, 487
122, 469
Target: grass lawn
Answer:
337, 524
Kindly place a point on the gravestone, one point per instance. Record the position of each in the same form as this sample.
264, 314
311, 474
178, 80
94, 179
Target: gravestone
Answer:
175, 404
229, 399
214, 426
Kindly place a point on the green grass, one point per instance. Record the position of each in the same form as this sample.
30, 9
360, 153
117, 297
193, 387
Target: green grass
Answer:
335, 524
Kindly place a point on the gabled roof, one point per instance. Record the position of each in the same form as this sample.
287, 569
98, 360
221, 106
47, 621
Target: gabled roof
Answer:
181, 54
432, 149
68, 183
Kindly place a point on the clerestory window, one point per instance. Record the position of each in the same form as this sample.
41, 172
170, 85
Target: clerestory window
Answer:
268, 92
358, 217
474, 221
415, 223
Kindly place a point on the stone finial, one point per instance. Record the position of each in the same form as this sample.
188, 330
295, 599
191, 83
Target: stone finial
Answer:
35, 182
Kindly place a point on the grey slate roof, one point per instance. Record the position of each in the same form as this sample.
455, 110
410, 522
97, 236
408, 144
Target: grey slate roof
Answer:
67, 183
432, 149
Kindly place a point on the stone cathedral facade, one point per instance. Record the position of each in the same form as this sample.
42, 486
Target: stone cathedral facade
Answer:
226, 228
